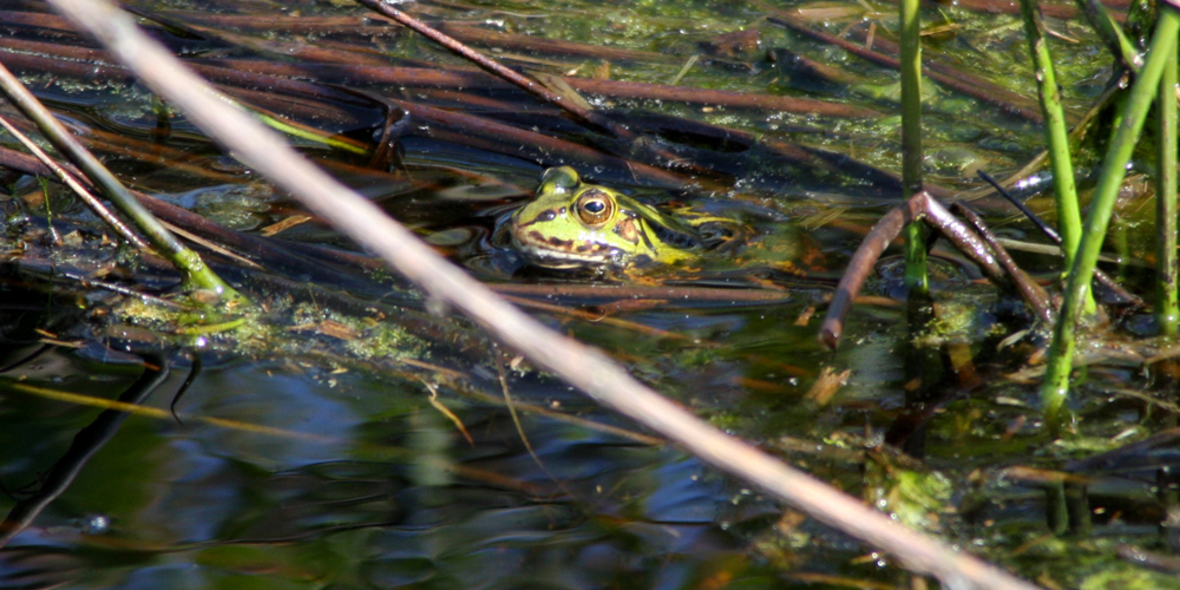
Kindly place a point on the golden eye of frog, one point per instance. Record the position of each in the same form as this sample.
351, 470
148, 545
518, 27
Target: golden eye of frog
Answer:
570, 224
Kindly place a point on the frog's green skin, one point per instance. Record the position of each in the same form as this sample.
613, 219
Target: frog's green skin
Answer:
570, 224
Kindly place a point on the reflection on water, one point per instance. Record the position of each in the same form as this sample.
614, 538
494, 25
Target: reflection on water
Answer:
366, 484
292, 470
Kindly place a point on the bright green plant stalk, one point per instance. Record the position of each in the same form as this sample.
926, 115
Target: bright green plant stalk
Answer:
294, 131
911, 140
1114, 169
1111, 33
1167, 308
196, 274
1069, 217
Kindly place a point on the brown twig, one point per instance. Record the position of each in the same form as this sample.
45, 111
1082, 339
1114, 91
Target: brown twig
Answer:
341, 68
468, 129
921, 207
412, 77
1032, 293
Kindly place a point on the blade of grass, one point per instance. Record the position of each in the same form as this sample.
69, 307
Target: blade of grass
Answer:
1055, 387
1069, 217
1167, 308
1111, 33
95, 205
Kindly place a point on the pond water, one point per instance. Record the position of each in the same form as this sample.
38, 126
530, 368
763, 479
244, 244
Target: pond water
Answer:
352, 435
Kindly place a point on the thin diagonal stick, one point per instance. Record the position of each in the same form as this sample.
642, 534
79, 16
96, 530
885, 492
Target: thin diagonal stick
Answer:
195, 272
1103, 278
96, 205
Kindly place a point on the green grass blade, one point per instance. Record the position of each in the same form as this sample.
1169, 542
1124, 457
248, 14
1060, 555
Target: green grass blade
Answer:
1069, 217
1111, 33
1167, 309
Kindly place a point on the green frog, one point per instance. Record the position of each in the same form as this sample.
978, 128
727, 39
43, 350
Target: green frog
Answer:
571, 224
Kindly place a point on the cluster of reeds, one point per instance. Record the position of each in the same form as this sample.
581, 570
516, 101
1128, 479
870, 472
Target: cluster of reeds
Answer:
1154, 82
1151, 71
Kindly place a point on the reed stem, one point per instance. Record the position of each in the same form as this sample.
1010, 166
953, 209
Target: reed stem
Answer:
1111, 33
1069, 217
1055, 388
1167, 308
196, 274
911, 140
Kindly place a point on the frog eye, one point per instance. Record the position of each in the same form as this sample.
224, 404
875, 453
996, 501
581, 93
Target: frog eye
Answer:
594, 207
558, 180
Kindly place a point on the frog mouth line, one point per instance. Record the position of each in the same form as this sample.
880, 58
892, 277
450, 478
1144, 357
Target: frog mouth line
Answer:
557, 253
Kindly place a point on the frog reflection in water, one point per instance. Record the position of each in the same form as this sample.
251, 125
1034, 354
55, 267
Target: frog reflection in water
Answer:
570, 224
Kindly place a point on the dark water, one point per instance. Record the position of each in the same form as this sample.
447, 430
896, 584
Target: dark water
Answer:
306, 454
357, 481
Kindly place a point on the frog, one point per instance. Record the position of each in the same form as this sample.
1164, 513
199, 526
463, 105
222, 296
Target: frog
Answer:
572, 224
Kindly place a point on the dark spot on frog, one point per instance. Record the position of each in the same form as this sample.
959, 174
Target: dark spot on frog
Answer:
546, 215
626, 230
675, 238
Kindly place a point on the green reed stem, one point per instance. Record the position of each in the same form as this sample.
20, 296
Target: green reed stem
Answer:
911, 140
1167, 308
193, 270
1111, 34
1114, 170
1069, 217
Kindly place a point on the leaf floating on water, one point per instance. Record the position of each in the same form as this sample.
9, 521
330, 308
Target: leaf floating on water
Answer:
285, 224
826, 386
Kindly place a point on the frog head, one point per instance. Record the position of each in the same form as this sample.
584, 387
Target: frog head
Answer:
571, 224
